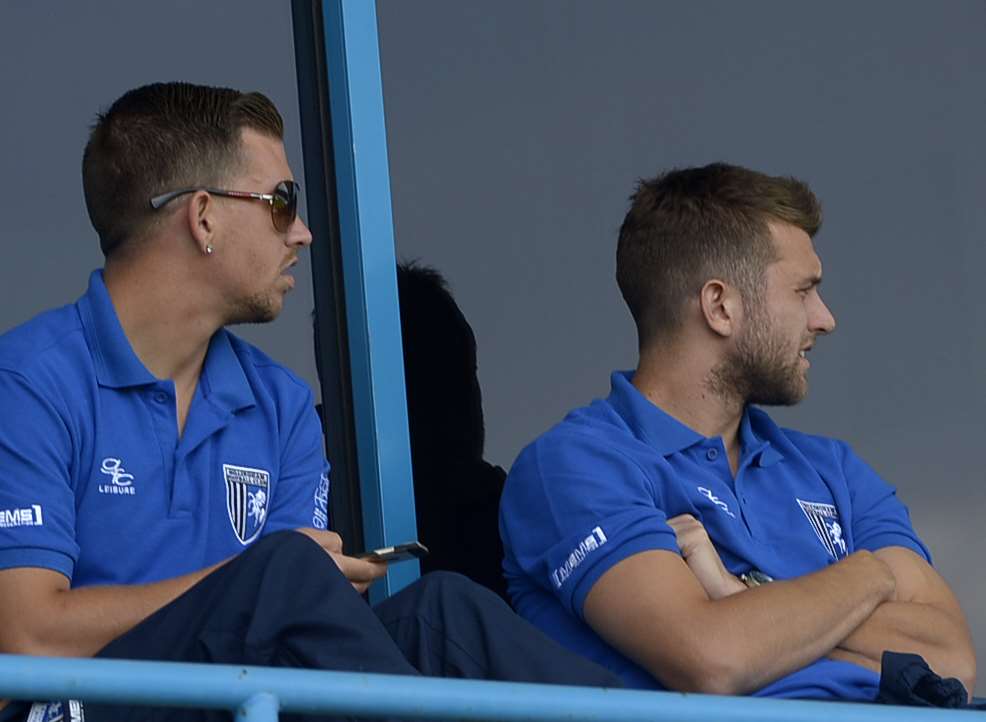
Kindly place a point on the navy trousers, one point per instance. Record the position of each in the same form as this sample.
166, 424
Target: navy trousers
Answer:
284, 603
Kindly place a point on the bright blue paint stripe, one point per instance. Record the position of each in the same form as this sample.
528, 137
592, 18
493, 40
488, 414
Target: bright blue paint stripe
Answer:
363, 179
371, 695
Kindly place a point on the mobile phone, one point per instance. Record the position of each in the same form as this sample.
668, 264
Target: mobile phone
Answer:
396, 553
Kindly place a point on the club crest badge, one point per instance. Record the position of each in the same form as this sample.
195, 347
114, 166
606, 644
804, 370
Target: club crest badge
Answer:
824, 520
247, 496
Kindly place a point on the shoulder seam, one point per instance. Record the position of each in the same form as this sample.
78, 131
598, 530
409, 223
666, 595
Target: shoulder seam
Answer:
259, 359
31, 354
622, 454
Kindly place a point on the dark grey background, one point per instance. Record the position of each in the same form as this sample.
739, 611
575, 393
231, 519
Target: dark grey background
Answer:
516, 131
61, 63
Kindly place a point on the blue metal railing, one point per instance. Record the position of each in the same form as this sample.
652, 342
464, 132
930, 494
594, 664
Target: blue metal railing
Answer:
257, 694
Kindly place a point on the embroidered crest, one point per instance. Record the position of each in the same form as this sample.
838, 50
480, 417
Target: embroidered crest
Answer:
824, 519
247, 495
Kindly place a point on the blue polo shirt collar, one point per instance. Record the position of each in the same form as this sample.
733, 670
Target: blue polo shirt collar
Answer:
117, 366
666, 435
223, 381
754, 444
661, 431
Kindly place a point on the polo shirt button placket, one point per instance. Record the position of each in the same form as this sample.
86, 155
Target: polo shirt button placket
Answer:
742, 499
712, 454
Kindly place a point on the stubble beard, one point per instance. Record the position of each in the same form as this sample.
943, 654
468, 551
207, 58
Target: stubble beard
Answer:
258, 308
761, 369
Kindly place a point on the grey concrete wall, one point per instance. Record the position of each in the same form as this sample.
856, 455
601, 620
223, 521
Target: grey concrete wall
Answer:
518, 128
62, 62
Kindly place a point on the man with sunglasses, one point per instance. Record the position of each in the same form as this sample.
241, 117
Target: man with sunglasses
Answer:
154, 468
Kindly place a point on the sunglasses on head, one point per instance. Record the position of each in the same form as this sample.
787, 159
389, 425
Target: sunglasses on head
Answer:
283, 201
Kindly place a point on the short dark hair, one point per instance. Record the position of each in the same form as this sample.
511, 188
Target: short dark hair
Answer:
692, 224
161, 137
445, 406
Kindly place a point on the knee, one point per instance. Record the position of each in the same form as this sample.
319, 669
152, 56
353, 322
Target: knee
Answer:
287, 541
445, 585
290, 550
446, 580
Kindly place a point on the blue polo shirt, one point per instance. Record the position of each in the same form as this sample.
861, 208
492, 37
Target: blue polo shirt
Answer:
600, 486
96, 483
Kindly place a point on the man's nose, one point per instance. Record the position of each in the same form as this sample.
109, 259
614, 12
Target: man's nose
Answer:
821, 319
299, 234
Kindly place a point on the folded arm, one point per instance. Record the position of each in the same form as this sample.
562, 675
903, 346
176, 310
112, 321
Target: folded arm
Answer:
653, 608
925, 618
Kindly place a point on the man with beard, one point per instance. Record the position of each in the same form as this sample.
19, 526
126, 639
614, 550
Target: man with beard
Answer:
163, 483
672, 531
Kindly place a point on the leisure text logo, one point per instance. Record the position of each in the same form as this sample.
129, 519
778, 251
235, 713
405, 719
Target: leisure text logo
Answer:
121, 482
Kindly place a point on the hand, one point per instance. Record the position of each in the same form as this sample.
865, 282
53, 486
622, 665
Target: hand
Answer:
702, 558
360, 572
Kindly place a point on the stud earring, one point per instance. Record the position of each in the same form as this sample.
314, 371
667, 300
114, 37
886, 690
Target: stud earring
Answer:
208, 250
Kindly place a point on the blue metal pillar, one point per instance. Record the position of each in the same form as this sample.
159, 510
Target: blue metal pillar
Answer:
370, 280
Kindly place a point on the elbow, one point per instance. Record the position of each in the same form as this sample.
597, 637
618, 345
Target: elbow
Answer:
28, 636
721, 680
20, 641
965, 672
957, 660
34, 643
709, 672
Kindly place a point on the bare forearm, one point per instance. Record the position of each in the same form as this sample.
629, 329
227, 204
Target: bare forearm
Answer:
918, 628
773, 630
80, 622
41, 615
739, 643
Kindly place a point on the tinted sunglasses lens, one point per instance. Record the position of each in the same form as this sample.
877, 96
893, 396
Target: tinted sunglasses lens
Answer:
284, 208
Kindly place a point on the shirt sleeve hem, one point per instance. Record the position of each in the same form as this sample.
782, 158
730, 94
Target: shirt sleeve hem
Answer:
645, 543
893, 539
35, 557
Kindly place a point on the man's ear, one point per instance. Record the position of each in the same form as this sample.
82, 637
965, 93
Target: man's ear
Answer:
201, 219
721, 307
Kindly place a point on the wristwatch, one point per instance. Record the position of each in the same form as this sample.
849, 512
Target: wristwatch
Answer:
755, 578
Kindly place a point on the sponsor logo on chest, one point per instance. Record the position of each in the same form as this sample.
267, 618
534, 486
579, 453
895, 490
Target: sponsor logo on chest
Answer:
824, 520
707, 493
120, 482
247, 497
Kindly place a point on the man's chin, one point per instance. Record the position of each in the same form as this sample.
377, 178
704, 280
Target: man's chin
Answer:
257, 311
780, 395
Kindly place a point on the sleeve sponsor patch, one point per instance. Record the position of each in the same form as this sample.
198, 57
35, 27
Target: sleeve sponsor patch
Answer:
320, 514
28, 516
588, 545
